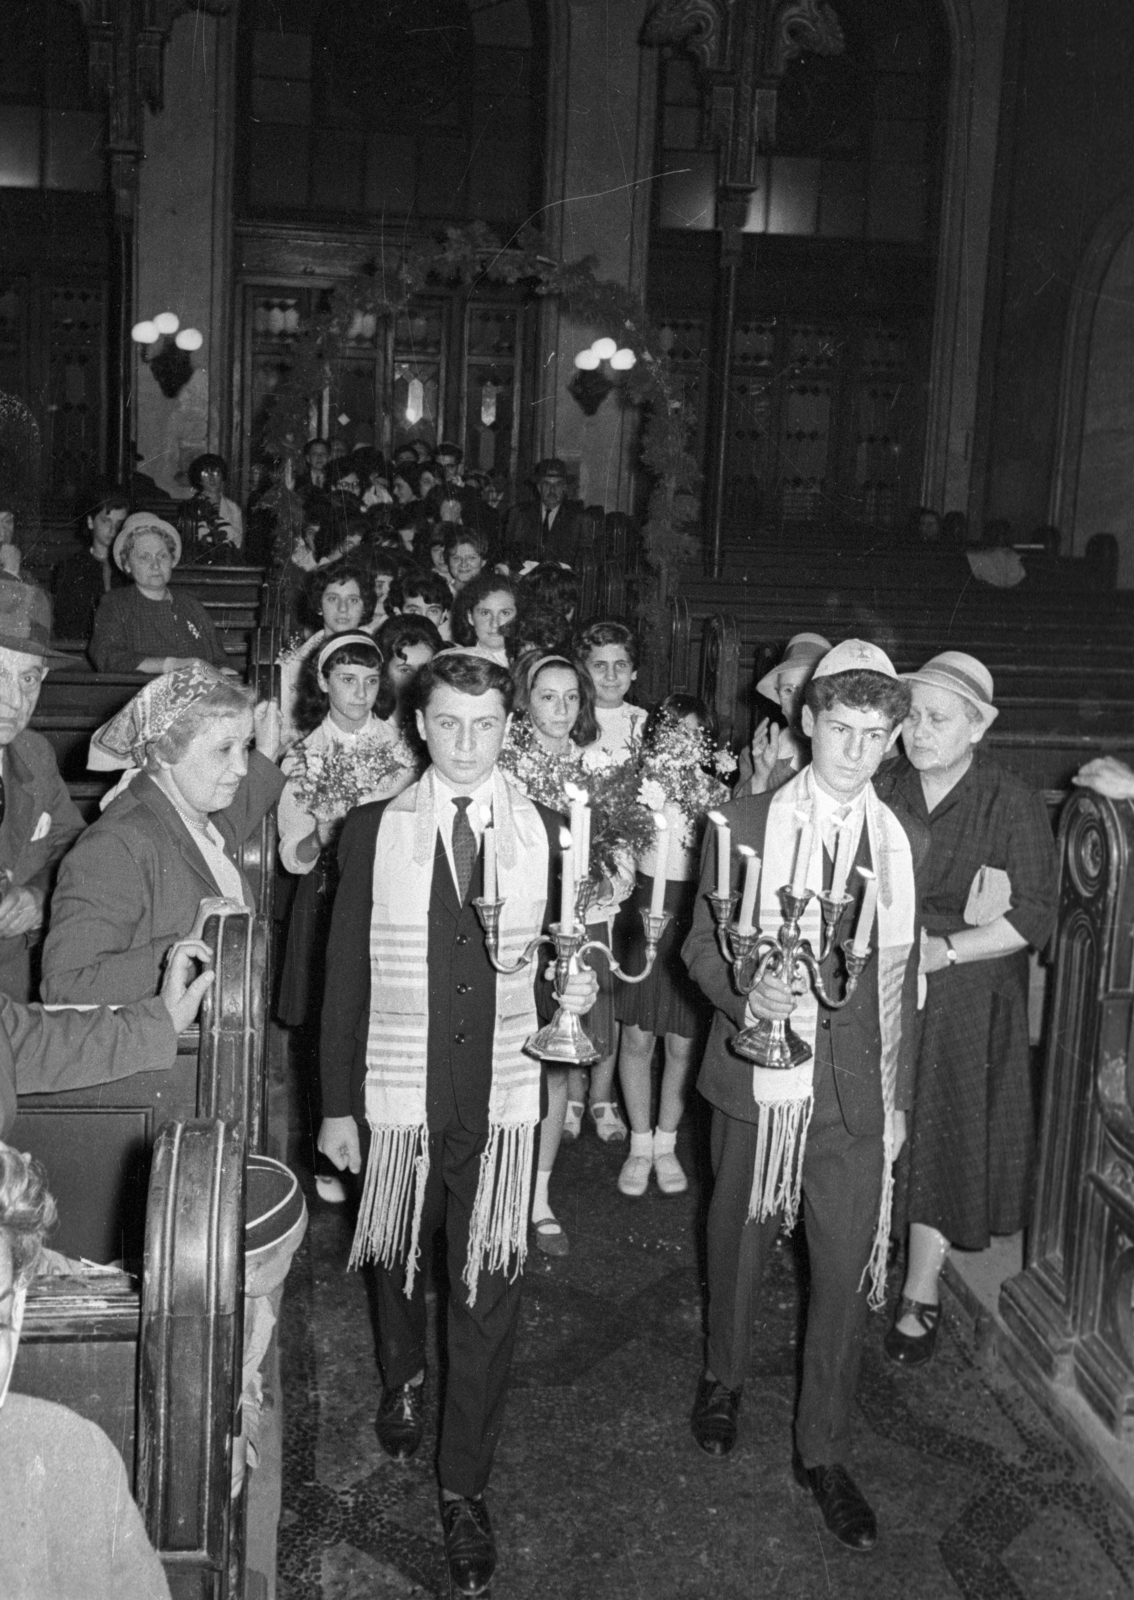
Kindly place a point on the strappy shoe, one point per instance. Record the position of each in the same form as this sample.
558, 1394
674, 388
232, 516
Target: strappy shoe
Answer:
550, 1237
608, 1121
573, 1120
913, 1349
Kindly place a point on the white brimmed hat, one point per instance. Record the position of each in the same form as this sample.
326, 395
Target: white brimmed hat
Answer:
960, 674
145, 522
803, 651
855, 655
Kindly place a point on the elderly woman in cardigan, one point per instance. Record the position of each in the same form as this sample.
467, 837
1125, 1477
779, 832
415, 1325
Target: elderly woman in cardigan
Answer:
149, 627
989, 890
133, 884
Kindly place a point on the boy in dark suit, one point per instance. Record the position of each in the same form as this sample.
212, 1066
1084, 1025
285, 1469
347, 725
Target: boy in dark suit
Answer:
820, 1136
423, 1061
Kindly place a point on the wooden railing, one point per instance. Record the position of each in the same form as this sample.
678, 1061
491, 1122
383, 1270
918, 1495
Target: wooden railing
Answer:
1068, 1314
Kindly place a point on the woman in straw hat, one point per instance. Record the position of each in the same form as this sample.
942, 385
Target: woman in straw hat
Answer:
778, 753
988, 892
149, 627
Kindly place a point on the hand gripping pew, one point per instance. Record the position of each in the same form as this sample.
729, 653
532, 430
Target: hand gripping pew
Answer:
150, 1170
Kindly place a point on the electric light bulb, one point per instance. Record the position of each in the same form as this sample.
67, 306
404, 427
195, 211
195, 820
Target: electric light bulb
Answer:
586, 361
145, 333
167, 322
189, 339
604, 348
622, 360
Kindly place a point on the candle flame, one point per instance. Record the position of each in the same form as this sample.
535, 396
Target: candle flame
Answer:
660, 823
564, 839
573, 792
486, 816
717, 818
865, 872
745, 850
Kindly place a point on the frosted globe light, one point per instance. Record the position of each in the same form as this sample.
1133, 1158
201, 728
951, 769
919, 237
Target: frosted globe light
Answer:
189, 339
604, 348
145, 333
622, 360
167, 322
586, 361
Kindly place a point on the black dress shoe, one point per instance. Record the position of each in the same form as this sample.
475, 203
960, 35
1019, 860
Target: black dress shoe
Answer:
913, 1349
714, 1417
400, 1421
470, 1548
845, 1508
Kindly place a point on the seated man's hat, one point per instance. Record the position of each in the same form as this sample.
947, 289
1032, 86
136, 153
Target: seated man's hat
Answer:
25, 620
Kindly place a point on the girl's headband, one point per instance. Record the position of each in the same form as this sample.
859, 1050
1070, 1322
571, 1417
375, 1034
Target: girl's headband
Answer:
339, 640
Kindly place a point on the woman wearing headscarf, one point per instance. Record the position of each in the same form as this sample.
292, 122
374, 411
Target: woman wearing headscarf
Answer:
135, 880
989, 891
149, 627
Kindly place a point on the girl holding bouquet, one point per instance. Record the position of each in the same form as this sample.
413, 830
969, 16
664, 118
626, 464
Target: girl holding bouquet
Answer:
348, 755
543, 757
677, 747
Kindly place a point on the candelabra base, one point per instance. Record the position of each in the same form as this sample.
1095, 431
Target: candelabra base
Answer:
564, 1039
771, 1044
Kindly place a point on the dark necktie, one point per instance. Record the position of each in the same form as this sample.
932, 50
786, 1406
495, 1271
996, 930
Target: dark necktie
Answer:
464, 844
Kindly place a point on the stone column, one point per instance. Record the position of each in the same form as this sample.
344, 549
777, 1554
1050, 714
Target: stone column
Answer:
184, 243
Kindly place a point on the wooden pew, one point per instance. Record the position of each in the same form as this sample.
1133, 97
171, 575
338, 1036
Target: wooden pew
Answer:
159, 1368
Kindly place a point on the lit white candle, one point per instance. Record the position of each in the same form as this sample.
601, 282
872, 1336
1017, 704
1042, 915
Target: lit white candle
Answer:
746, 922
585, 868
567, 898
842, 859
724, 852
865, 925
802, 854
661, 866
489, 854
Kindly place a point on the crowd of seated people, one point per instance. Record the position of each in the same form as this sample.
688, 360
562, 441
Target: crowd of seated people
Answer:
395, 567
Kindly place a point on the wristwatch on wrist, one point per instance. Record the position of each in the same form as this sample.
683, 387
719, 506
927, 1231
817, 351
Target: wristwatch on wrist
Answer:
950, 952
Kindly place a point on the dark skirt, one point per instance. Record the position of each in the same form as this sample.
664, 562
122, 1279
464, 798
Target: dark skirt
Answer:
600, 1021
304, 965
972, 1133
668, 1001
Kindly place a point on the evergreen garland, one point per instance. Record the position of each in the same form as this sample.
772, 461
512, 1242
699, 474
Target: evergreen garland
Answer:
389, 282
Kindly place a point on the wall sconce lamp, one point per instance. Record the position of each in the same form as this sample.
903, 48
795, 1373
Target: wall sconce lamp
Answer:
166, 347
592, 381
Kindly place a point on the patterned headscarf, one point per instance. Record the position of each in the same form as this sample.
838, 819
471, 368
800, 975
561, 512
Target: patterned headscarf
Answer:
124, 740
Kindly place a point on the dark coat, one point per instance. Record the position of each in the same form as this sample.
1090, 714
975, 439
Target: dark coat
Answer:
128, 628
523, 536
726, 1080
462, 983
33, 791
131, 887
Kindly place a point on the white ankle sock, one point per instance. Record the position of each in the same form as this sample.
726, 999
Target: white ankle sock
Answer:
664, 1143
642, 1144
541, 1207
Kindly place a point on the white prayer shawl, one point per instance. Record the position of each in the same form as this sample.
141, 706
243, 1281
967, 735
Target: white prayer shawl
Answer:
785, 1098
398, 1038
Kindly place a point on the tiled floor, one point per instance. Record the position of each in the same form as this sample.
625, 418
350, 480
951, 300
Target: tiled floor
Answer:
599, 1492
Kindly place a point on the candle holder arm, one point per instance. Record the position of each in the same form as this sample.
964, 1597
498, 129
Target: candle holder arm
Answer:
654, 928
489, 913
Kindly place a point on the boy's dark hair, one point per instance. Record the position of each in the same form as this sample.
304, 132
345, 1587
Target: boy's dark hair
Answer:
206, 463
554, 587
398, 632
859, 691
428, 586
311, 701
468, 674
476, 590
459, 534
604, 633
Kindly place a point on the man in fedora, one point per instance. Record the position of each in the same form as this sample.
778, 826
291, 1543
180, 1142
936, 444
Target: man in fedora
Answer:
38, 819
547, 529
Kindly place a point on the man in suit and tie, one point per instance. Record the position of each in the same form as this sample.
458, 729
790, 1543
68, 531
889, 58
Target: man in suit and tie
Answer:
39, 822
548, 528
819, 1136
426, 1083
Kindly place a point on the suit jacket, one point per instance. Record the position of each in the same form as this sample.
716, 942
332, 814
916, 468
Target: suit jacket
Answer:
854, 1035
131, 887
462, 983
524, 541
42, 1052
36, 802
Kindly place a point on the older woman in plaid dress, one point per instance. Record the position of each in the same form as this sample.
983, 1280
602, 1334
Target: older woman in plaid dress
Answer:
990, 889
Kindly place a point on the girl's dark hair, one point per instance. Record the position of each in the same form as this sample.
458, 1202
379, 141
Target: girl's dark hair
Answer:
675, 708
537, 628
398, 632
344, 467
586, 729
204, 464
342, 571
410, 472
428, 586
426, 537
476, 590
554, 587
604, 633
312, 702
